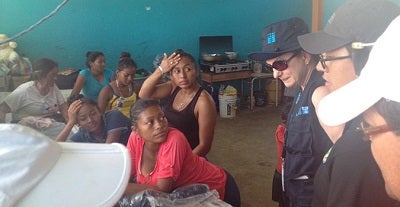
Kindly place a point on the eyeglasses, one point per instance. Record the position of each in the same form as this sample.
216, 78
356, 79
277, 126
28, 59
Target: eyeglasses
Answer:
324, 60
281, 65
369, 131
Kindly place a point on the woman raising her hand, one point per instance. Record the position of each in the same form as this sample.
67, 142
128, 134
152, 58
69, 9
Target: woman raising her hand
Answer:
190, 108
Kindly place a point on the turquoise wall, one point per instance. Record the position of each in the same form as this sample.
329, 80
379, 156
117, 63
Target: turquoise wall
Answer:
330, 6
143, 27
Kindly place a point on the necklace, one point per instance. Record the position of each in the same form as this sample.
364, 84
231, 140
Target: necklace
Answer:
120, 92
185, 101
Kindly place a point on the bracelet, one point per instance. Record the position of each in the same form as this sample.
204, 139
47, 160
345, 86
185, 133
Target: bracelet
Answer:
160, 68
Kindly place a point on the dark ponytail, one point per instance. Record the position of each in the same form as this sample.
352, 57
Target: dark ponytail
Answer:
125, 61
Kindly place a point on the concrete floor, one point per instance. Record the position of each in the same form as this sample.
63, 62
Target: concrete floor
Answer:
245, 146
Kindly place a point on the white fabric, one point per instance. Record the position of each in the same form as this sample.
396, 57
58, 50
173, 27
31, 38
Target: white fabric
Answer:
27, 101
24, 152
36, 171
380, 78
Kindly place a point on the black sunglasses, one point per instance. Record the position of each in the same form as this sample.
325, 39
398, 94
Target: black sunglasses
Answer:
281, 65
324, 60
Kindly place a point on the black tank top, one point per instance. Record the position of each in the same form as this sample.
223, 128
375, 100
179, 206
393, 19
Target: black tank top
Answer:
185, 120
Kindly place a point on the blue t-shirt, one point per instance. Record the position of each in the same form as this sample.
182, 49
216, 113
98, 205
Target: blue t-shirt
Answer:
113, 121
92, 87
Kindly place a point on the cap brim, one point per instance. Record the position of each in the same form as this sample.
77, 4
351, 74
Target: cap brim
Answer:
262, 56
84, 175
357, 96
347, 102
320, 42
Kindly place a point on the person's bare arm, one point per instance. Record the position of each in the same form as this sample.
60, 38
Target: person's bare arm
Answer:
4, 109
72, 114
166, 185
206, 114
64, 111
114, 137
385, 149
80, 81
151, 87
334, 132
62, 137
104, 97
136, 88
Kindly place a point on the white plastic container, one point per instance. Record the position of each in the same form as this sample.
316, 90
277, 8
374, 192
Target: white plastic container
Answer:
257, 67
227, 106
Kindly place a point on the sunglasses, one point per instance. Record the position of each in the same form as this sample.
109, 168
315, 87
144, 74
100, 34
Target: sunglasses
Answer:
369, 131
324, 60
281, 65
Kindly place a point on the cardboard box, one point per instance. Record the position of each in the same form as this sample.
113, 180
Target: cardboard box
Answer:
271, 88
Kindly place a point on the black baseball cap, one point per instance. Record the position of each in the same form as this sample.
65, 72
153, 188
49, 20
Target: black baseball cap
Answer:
279, 38
355, 21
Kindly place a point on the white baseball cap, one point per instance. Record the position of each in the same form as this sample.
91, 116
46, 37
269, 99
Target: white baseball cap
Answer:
36, 171
380, 78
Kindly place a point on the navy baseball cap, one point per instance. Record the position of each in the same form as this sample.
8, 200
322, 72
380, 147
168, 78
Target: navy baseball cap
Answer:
279, 38
355, 21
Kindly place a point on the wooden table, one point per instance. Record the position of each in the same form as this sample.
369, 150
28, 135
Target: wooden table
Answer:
255, 76
211, 78
218, 77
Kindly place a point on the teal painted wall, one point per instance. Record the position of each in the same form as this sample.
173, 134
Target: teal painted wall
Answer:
330, 6
143, 27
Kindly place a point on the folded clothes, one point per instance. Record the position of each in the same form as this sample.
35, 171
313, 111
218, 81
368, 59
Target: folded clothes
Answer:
37, 122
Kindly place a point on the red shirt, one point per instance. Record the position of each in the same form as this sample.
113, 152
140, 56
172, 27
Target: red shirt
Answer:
175, 159
279, 140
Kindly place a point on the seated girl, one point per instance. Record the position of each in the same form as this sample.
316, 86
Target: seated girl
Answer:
38, 103
163, 160
190, 108
94, 127
92, 79
121, 93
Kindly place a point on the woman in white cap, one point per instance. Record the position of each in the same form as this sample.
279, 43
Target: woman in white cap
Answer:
379, 104
349, 175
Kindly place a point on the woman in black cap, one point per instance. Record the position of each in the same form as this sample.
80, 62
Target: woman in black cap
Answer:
349, 175
306, 140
